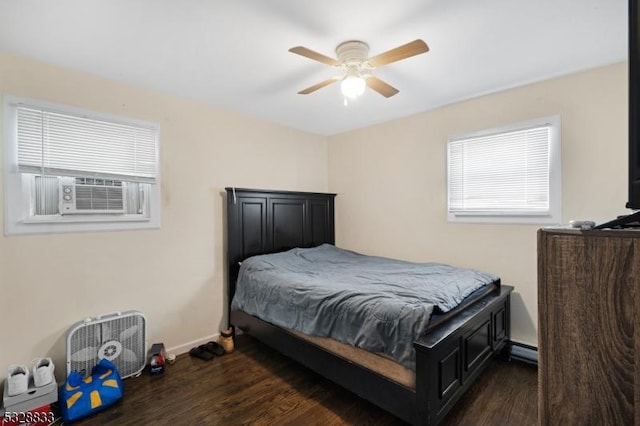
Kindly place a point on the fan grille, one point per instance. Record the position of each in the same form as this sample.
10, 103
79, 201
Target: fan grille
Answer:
87, 340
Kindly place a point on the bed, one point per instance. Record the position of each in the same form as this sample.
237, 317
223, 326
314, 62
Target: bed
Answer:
448, 356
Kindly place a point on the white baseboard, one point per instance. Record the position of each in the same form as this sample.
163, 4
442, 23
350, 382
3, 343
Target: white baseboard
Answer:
523, 352
186, 347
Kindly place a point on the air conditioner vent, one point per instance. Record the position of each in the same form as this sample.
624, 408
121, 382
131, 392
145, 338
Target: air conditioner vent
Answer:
88, 195
99, 198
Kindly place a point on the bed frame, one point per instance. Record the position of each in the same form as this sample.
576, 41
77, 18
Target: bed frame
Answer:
448, 359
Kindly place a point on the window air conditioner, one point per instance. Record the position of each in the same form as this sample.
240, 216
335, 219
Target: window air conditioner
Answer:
91, 196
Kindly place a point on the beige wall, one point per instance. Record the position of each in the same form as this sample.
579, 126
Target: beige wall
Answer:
175, 275
391, 179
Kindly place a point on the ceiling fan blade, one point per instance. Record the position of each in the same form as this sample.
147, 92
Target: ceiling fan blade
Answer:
405, 51
381, 87
320, 85
308, 53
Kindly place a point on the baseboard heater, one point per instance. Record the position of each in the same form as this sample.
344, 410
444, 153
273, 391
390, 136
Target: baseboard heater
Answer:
522, 352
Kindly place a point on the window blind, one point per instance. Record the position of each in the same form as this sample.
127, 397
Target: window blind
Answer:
506, 173
59, 144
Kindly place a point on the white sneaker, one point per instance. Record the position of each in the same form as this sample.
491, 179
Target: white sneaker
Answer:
17, 380
43, 372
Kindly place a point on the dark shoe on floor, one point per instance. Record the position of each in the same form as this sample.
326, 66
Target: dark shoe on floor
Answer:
214, 348
201, 352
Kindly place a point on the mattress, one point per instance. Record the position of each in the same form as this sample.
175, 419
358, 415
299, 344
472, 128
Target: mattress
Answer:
377, 304
379, 363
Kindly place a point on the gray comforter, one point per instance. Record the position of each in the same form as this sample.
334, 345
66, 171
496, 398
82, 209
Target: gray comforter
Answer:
374, 303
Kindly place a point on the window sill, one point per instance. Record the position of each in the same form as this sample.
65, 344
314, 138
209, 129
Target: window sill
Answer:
85, 219
63, 225
505, 218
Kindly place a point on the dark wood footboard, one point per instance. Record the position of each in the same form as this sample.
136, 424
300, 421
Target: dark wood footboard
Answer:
448, 359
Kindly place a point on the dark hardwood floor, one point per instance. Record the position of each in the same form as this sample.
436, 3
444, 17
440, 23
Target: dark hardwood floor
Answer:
256, 385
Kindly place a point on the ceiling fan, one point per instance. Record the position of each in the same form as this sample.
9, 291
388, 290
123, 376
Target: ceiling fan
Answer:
356, 66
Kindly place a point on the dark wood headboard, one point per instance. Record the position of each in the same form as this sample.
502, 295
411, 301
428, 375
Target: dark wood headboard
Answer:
262, 221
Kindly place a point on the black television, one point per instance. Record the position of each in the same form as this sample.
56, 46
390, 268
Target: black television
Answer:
634, 105
632, 220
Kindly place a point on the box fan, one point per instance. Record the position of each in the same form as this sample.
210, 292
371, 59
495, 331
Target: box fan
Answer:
119, 337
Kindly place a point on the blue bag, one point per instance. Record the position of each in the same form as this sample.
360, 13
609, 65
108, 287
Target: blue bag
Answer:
80, 397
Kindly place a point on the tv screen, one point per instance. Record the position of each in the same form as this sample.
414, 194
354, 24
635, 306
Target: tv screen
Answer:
632, 220
634, 103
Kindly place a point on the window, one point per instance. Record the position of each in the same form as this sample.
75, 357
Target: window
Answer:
72, 170
510, 174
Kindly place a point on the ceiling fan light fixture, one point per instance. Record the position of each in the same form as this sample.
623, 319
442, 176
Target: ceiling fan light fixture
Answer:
352, 86
356, 66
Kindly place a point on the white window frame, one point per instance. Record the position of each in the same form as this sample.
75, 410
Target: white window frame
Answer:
555, 178
17, 192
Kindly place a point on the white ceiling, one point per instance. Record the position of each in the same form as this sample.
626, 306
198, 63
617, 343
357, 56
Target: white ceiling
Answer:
233, 54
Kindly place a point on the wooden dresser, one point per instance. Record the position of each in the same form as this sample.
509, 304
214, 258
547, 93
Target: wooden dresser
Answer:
588, 307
